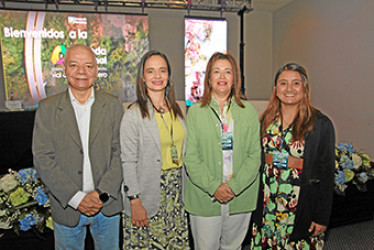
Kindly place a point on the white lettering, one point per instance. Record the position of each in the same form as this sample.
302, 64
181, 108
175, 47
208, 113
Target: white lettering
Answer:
6, 32
99, 51
82, 34
73, 34
102, 75
102, 60
56, 74
9, 32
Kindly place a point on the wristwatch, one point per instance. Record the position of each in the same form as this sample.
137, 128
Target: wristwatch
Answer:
102, 196
133, 197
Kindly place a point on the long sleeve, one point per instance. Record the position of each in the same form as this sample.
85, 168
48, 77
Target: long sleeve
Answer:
60, 184
204, 160
111, 180
196, 149
247, 173
130, 150
326, 167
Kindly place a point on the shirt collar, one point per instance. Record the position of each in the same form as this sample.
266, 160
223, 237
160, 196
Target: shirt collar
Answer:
75, 101
214, 102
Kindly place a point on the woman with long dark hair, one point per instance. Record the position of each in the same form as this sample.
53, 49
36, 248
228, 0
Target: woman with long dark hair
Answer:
297, 172
152, 148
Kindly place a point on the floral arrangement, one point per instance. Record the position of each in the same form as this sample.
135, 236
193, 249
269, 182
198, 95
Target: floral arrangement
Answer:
23, 202
351, 166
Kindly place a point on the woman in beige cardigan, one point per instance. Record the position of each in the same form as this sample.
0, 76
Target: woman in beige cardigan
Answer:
152, 145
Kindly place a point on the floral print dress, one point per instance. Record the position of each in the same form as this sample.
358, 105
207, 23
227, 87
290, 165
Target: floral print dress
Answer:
281, 194
168, 229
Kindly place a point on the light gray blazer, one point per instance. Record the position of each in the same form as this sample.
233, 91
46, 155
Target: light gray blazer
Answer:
58, 154
141, 158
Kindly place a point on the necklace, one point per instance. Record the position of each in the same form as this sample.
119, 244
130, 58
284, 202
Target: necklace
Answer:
160, 110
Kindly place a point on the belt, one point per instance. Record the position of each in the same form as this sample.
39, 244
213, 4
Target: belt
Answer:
293, 162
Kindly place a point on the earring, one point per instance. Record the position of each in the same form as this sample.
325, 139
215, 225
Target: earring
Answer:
167, 88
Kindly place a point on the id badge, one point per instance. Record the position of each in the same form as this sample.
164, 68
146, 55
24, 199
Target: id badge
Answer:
226, 140
280, 160
174, 154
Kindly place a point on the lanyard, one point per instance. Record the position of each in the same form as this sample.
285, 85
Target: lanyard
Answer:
219, 119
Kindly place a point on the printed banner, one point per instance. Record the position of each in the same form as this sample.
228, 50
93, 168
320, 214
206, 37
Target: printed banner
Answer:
33, 44
202, 38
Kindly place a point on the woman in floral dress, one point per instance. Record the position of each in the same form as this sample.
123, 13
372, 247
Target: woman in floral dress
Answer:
297, 173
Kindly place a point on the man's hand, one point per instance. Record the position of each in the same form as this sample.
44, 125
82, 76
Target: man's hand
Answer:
90, 204
317, 229
138, 214
224, 193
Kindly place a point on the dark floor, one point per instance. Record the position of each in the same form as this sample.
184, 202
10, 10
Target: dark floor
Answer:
359, 236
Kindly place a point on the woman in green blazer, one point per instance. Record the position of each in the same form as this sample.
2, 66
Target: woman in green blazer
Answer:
222, 159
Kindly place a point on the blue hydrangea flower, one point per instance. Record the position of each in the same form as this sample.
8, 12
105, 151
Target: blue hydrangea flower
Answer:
40, 196
35, 175
339, 177
362, 177
346, 162
27, 175
24, 225
27, 222
345, 147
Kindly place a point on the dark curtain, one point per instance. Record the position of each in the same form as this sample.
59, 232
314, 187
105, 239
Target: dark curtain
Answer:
15, 140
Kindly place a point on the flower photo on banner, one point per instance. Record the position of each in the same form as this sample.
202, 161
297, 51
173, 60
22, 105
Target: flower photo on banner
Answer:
202, 38
23, 202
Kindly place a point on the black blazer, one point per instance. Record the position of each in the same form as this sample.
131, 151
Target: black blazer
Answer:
317, 180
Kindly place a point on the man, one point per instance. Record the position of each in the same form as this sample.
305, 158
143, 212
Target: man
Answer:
77, 155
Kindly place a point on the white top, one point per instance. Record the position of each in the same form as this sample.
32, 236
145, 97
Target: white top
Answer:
83, 117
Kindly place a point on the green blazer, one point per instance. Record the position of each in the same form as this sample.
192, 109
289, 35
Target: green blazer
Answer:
204, 165
58, 154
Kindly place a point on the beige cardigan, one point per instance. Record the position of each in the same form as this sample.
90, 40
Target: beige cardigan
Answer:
141, 158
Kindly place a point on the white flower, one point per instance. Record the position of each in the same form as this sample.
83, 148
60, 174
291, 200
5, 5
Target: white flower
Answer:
336, 165
5, 224
8, 182
12, 189
341, 187
357, 161
363, 177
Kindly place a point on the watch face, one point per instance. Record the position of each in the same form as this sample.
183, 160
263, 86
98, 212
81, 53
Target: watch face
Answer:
104, 197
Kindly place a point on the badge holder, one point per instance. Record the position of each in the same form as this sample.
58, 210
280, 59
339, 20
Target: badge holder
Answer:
280, 160
227, 141
174, 154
